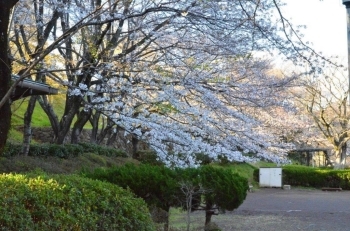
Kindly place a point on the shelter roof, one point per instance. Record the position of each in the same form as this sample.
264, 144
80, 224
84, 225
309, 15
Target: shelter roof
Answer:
27, 87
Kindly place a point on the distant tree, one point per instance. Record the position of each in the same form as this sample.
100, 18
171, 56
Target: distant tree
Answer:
326, 101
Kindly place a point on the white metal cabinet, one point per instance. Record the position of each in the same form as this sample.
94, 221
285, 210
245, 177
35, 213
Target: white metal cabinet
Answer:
270, 177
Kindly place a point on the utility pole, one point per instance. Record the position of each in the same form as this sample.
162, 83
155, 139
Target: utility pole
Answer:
347, 5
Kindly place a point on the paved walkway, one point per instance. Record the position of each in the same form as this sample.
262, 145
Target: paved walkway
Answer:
288, 210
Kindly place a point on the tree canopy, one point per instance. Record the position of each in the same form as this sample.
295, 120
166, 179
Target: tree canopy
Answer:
185, 77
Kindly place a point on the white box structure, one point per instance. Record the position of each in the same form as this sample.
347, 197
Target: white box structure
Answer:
270, 177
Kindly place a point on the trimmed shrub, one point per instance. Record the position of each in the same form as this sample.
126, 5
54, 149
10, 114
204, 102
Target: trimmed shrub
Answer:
74, 150
62, 151
303, 176
39, 150
227, 190
58, 202
160, 186
12, 149
155, 184
102, 150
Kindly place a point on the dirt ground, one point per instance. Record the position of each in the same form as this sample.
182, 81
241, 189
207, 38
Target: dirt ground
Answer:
271, 209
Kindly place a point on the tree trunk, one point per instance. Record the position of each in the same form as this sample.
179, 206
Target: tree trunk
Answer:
47, 107
27, 129
95, 126
105, 130
5, 70
71, 109
208, 212
340, 155
83, 118
134, 141
112, 137
5, 115
166, 224
343, 150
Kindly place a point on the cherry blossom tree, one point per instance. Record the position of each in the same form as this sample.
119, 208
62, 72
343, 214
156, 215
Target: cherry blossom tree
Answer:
185, 77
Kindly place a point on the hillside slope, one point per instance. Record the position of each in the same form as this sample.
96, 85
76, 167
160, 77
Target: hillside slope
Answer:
21, 164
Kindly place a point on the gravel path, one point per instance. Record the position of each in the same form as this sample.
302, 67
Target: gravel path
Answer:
288, 210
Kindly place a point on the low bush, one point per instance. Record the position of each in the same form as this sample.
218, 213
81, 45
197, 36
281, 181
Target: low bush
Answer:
102, 150
61, 202
12, 149
62, 151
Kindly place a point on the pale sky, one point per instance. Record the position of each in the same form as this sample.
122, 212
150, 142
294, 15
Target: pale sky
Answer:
325, 21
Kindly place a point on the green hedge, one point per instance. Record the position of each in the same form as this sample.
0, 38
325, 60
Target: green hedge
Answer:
316, 177
102, 150
304, 176
58, 202
62, 151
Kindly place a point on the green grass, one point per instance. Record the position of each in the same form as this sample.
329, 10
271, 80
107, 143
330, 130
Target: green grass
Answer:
263, 164
177, 220
15, 136
56, 165
246, 170
39, 118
